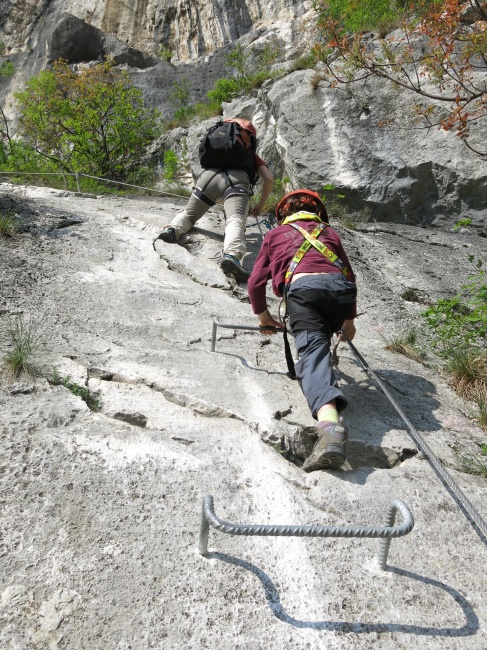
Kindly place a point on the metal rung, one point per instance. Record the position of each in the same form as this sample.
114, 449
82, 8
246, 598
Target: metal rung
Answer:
217, 323
387, 532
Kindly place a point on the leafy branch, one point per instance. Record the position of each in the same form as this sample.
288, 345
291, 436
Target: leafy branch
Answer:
435, 54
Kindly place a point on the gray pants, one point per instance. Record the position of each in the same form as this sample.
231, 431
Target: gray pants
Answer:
236, 207
314, 371
318, 306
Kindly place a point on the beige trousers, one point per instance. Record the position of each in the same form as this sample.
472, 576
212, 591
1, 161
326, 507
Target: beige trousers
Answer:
214, 185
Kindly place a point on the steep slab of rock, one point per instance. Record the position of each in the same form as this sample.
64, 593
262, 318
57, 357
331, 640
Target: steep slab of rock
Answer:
102, 509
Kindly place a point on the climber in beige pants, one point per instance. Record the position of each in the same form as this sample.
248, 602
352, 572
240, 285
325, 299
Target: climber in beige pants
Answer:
233, 186
216, 184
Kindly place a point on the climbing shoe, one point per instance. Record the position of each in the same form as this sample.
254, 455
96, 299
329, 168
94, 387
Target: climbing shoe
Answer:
329, 449
231, 266
168, 235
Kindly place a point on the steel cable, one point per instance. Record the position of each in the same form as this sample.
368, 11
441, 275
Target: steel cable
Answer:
423, 445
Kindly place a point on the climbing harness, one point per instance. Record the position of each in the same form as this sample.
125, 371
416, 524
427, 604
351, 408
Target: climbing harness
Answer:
234, 190
199, 192
387, 532
309, 241
462, 501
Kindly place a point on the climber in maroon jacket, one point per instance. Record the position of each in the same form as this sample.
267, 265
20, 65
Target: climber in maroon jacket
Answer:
308, 266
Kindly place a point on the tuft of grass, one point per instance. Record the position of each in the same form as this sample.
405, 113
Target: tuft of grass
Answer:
412, 295
164, 53
316, 79
305, 62
477, 464
481, 415
467, 368
8, 227
338, 208
406, 344
83, 392
24, 339
7, 69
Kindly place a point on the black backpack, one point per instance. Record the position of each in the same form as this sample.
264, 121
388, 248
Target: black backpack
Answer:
222, 148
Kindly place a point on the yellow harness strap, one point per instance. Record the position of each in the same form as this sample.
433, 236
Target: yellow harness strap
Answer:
311, 239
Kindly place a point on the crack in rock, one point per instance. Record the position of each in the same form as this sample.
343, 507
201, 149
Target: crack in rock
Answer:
134, 418
107, 375
198, 406
184, 441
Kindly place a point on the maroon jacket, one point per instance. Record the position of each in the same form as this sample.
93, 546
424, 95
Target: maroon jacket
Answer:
277, 251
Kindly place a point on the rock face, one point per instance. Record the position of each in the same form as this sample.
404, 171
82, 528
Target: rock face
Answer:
188, 29
101, 508
317, 136
309, 133
402, 175
101, 504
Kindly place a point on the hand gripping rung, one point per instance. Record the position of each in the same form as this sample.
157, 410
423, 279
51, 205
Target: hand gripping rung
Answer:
217, 323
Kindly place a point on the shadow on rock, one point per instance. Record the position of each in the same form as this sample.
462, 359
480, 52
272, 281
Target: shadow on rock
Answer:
368, 404
469, 628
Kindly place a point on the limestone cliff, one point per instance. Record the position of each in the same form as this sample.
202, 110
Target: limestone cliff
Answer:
188, 28
309, 132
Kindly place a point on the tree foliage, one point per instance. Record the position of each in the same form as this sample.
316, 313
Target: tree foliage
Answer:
439, 53
252, 67
180, 98
91, 122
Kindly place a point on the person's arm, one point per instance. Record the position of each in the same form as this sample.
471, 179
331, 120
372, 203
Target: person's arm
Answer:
257, 289
348, 328
266, 175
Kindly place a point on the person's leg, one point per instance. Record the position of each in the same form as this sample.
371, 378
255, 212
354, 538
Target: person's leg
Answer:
198, 204
316, 377
236, 204
317, 307
314, 369
315, 373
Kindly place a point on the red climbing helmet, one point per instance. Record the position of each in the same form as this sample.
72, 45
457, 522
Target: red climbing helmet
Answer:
300, 199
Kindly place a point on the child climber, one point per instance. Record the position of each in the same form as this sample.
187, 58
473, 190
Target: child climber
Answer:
307, 264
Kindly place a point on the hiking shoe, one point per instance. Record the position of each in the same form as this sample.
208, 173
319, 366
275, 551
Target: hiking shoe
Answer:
168, 235
329, 450
231, 266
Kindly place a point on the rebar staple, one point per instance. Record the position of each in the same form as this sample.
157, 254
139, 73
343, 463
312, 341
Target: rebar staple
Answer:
387, 532
217, 323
